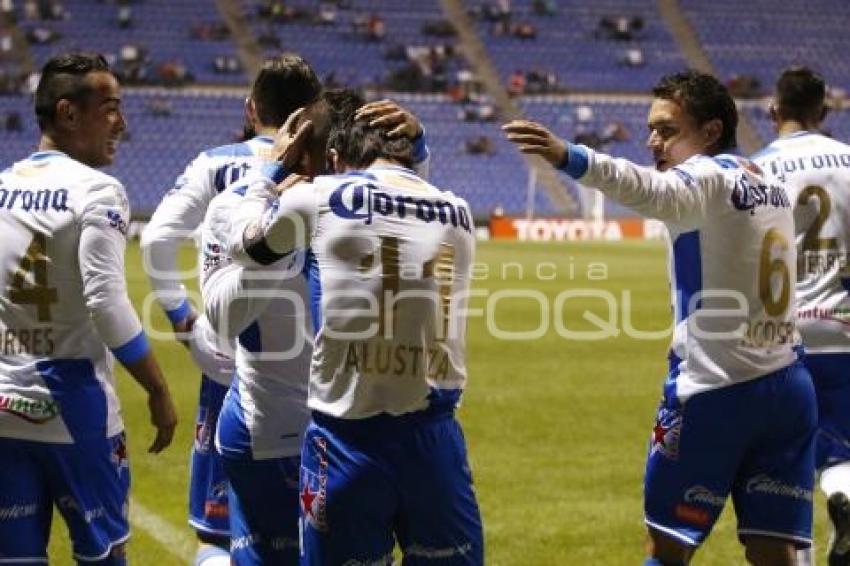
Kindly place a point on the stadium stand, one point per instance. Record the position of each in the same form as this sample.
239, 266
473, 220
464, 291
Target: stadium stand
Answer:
582, 44
162, 29
763, 37
364, 45
572, 44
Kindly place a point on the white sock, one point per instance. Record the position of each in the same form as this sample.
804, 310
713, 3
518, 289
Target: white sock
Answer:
211, 555
836, 478
806, 556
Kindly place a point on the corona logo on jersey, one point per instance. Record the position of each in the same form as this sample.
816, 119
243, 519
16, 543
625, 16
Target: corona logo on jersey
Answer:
356, 201
42, 199
749, 196
36, 411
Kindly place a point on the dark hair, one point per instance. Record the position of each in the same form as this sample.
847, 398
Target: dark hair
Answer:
283, 85
64, 76
357, 143
800, 95
704, 98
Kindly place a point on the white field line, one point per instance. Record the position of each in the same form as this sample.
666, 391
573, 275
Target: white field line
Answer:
173, 539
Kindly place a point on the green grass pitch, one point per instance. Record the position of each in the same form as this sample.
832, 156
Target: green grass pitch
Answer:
556, 428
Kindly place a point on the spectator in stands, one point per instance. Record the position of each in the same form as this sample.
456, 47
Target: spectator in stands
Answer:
633, 57
131, 53
159, 107
615, 132
439, 28
210, 31
173, 73
835, 97
744, 86
539, 81
30, 10
516, 83
226, 64
268, 37
327, 14
41, 35
484, 112
589, 138
376, 28
51, 10
13, 121
479, 145
524, 30
545, 7
125, 17
6, 44
622, 28
7, 11
584, 114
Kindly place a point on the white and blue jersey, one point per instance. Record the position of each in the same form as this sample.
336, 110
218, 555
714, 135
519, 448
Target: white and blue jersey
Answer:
179, 216
389, 285
731, 262
63, 308
815, 170
267, 310
733, 360
65, 303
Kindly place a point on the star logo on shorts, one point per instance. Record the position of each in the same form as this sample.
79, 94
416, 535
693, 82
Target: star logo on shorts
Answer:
658, 434
307, 498
666, 433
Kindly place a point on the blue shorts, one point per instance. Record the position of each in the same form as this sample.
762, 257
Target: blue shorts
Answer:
831, 375
263, 510
89, 483
367, 481
754, 440
208, 507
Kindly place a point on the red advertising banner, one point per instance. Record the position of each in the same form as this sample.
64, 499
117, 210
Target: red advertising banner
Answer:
574, 230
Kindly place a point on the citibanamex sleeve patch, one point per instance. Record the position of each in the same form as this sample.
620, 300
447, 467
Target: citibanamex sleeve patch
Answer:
666, 433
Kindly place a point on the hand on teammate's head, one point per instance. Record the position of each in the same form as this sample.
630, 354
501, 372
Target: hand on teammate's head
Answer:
390, 116
290, 143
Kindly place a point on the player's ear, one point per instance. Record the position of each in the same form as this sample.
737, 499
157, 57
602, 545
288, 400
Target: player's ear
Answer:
333, 160
774, 115
251, 112
67, 114
711, 132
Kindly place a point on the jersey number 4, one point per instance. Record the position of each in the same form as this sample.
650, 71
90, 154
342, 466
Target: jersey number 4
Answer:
35, 291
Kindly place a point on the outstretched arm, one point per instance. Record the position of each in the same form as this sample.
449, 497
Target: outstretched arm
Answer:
680, 196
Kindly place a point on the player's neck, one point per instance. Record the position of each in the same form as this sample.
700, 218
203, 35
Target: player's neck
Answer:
381, 162
270, 131
47, 143
790, 127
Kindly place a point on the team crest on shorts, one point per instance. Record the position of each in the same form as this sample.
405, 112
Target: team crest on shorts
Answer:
666, 433
203, 436
314, 489
119, 454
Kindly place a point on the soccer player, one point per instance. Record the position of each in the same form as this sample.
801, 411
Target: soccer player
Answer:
282, 85
383, 458
64, 305
815, 170
738, 412
267, 305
